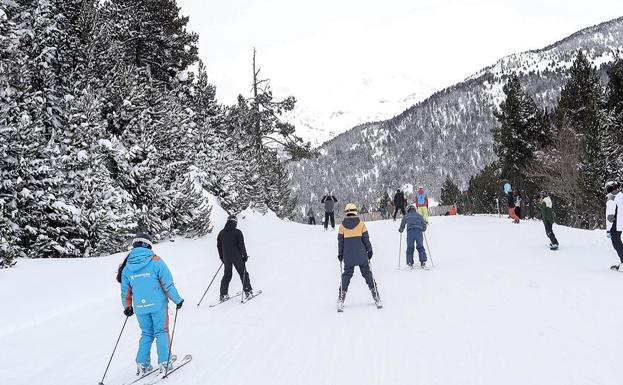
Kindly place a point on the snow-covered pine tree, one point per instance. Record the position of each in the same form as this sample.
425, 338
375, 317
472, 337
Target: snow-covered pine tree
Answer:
258, 121
152, 34
523, 130
450, 192
581, 110
612, 135
191, 206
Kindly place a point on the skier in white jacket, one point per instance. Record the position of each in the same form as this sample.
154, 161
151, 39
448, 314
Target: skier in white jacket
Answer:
614, 219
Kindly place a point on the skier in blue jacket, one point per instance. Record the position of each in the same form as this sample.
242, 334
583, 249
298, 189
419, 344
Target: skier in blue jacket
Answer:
146, 288
416, 226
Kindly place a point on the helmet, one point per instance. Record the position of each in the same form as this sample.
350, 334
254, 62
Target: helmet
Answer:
410, 207
612, 185
232, 218
350, 208
142, 240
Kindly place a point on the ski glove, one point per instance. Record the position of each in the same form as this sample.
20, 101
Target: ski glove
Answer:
370, 255
179, 305
245, 258
608, 235
340, 258
129, 311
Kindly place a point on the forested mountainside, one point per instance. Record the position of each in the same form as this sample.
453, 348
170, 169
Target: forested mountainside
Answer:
447, 134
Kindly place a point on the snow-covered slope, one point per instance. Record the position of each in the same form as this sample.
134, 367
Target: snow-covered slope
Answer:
497, 308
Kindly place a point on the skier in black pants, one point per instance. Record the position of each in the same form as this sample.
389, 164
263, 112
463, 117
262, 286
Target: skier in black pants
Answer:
329, 202
613, 219
233, 253
399, 202
355, 249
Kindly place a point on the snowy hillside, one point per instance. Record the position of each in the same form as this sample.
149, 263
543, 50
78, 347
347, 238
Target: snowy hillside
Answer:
449, 133
497, 308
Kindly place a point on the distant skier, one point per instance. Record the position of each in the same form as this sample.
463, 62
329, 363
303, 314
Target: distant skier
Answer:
146, 288
399, 203
329, 202
233, 253
508, 189
518, 205
355, 249
546, 208
311, 217
614, 219
416, 226
421, 202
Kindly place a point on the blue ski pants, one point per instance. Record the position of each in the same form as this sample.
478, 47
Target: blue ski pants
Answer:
153, 326
415, 237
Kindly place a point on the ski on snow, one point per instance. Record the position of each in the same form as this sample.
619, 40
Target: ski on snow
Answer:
137, 378
238, 294
187, 358
247, 299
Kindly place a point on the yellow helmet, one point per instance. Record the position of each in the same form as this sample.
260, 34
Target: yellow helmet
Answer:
350, 208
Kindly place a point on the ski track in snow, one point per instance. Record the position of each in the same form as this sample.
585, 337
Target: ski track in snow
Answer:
498, 308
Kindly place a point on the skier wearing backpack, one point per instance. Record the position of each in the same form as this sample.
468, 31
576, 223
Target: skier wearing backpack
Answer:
355, 249
399, 203
545, 206
421, 203
233, 253
416, 226
614, 219
329, 202
508, 189
146, 288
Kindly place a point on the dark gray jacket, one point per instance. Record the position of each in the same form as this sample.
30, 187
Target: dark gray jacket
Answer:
413, 220
354, 242
329, 203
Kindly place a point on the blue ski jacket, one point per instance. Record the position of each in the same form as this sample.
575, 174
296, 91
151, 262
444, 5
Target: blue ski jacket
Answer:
146, 282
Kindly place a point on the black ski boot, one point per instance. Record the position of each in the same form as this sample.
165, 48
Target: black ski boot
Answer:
224, 297
340, 300
376, 297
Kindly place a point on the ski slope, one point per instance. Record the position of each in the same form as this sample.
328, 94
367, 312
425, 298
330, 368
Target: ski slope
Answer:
498, 308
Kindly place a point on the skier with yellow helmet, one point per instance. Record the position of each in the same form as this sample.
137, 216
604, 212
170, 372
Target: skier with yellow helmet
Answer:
355, 249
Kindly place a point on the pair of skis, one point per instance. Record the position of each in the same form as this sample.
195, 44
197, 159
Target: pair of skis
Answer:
187, 358
238, 294
340, 305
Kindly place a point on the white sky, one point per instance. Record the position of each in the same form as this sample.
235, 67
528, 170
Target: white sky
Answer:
307, 47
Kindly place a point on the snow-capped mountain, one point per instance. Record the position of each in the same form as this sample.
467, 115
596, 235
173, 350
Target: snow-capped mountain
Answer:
351, 102
449, 133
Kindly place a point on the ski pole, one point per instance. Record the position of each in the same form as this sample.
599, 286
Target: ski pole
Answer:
429, 253
399, 251
213, 278
113, 351
166, 372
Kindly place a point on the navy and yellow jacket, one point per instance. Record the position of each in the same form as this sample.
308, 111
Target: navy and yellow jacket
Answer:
353, 241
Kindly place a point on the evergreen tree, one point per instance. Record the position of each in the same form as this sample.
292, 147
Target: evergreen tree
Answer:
581, 110
483, 190
450, 192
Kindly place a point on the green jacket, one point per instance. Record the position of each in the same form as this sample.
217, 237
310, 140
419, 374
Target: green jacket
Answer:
546, 208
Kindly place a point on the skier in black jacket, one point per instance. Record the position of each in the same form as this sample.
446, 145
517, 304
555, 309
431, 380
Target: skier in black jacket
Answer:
232, 251
399, 202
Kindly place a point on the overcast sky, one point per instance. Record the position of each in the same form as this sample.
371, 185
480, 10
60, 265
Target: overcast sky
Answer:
306, 47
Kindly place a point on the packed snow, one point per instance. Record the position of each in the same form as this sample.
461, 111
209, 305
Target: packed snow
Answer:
498, 307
